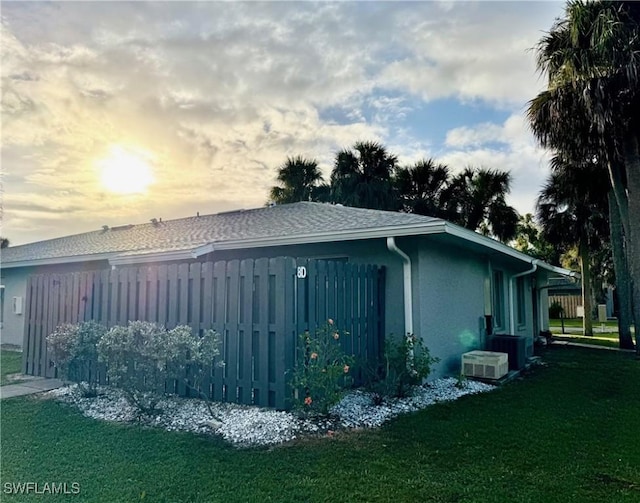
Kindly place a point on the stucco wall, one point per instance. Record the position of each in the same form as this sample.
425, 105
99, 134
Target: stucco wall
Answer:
451, 295
15, 285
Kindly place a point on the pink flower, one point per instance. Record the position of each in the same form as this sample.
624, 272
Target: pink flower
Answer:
336, 335
346, 369
314, 356
308, 401
330, 321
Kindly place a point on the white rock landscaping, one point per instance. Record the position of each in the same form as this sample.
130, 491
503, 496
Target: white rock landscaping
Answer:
246, 426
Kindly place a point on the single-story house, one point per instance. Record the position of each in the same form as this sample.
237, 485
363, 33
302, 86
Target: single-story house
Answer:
446, 284
567, 292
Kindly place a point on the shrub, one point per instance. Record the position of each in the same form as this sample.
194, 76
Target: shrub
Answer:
406, 364
142, 356
555, 310
322, 371
74, 353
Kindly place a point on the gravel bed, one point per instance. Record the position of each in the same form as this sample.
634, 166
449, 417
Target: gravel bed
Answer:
246, 426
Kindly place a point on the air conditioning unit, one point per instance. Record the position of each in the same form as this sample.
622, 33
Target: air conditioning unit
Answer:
485, 364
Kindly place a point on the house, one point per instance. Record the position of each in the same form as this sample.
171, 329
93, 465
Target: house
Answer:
568, 294
446, 284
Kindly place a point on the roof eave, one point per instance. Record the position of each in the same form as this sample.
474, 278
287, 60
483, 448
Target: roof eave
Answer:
57, 260
461, 232
146, 258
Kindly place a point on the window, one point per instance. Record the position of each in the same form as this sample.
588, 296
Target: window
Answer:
498, 299
520, 302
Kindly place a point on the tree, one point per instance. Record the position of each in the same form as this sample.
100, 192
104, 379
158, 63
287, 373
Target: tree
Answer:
362, 177
4, 242
572, 214
300, 180
420, 187
530, 240
592, 61
475, 199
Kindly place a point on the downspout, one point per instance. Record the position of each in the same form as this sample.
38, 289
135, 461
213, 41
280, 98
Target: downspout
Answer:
408, 297
512, 322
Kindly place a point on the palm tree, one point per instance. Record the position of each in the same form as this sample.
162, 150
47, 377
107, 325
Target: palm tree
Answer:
361, 177
573, 213
592, 60
300, 180
420, 187
529, 240
476, 199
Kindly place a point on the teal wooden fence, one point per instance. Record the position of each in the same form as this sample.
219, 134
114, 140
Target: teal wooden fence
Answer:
258, 306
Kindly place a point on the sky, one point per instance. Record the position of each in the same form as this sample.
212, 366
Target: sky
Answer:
120, 112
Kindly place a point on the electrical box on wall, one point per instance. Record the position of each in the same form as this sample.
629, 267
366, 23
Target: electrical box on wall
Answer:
17, 305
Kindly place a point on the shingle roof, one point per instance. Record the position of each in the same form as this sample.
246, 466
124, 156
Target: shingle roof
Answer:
291, 220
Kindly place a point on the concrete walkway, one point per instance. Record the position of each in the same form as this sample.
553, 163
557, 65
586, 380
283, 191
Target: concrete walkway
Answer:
590, 346
31, 386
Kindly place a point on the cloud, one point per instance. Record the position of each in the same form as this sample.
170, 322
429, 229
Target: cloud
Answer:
508, 147
221, 93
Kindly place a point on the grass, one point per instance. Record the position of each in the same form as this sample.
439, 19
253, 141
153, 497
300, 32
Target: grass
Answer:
609, 338
10, 363
610, 342
565, 433
577, 323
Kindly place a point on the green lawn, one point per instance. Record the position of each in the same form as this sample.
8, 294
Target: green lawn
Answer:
566, 433
10, 363
608, 338
599, 340
577, 323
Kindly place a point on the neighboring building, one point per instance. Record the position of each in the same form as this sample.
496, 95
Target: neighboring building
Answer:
442, 281
567, 292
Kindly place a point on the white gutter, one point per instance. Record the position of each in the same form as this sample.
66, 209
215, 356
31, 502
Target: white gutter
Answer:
408, 296
58, 260
512, 323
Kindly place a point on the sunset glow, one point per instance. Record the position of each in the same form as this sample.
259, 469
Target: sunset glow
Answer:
125, 172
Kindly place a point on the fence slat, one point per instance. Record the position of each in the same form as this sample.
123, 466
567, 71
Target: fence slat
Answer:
218, 311
261, 332
245, 332
30, 299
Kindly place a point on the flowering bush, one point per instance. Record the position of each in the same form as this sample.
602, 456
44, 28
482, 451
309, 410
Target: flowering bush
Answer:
74, 353
322, 370
406, 363
142, 356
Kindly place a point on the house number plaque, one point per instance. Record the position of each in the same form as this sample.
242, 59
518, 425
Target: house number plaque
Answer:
301, 272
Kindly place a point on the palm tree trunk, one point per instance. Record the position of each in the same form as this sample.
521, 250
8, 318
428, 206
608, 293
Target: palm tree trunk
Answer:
632, 164
587, 304
621, 267
622, 201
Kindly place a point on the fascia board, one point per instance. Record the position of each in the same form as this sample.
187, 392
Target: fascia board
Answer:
499, 247
324, 237
57, 260
145, 258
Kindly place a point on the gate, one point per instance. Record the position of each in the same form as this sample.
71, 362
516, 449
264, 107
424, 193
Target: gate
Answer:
257, 306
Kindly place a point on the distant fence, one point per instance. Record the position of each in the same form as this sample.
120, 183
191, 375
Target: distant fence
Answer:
257, 306
569, 304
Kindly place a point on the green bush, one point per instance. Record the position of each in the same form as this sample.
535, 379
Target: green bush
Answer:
74, 353
407, 362
322, 372
142, 356
556, 310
